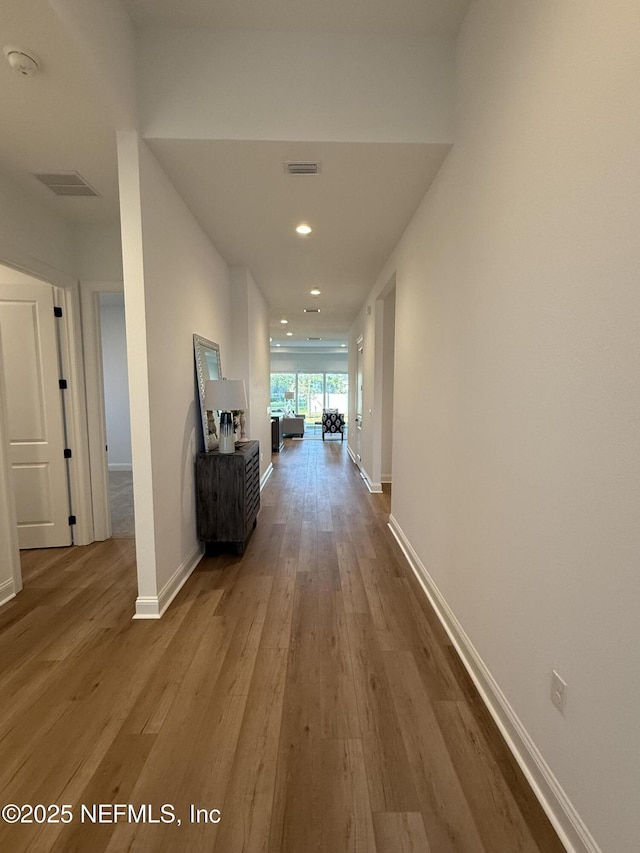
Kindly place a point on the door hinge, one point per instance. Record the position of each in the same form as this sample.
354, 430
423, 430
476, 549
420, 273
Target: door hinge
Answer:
72, 520
57, 311
67, 453
63, 384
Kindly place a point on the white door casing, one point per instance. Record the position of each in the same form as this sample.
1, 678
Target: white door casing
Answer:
35, 414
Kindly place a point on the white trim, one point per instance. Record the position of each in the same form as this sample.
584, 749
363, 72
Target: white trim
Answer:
154, 607
374, 488
120, 466
65, 290
565, 819
9, 553
70, 330
12, 257
7, 591
266, 475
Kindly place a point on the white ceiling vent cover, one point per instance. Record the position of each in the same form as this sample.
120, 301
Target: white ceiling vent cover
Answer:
65, 183
302, 167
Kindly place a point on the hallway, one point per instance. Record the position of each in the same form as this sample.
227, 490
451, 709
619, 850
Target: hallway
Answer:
305, 690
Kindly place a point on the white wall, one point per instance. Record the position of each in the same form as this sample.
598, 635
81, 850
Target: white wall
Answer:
196, 84
32, 237
98, 252
176, 284
116, 380
249, 349
518, 298
105, 35
370, 437
408, 426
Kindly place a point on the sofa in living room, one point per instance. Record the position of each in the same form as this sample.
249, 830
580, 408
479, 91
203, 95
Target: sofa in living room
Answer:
293, 425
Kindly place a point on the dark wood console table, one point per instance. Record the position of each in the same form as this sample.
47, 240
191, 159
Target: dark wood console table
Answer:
228, 495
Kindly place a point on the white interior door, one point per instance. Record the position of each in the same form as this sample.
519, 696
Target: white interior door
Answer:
34, 413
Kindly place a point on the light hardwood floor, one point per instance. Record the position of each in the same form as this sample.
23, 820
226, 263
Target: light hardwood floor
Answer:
121, 504
305, 690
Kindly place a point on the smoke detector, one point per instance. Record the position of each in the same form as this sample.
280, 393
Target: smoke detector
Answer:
21, 60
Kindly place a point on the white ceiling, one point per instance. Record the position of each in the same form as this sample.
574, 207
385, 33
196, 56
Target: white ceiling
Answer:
358, 206
410, 17
53, 122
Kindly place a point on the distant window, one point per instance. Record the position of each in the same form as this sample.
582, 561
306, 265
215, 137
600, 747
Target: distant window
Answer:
312, 392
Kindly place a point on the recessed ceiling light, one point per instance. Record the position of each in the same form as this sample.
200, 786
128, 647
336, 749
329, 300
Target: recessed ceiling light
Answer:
303, 229
284, 322
278, 345
315, 292
270, 339
343, 345
289, 334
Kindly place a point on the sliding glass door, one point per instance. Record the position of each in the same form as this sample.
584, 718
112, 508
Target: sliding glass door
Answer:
336, 392
281, 384
312, 392
310, 395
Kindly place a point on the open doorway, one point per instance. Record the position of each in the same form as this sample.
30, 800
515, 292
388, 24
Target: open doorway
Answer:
116, 408
107, 386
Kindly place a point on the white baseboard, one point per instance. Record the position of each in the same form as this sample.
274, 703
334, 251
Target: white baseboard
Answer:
265, 476
565, 819
120, 466
153, 607
7, 591
374, 488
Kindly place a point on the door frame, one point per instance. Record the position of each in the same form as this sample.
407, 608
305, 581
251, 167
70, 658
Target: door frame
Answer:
384, 378
11, 580
96, 416
66, 296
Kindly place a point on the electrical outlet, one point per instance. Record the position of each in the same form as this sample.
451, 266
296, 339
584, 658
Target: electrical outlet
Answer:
558, 691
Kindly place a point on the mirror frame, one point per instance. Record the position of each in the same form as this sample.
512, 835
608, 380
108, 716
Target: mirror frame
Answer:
201, 347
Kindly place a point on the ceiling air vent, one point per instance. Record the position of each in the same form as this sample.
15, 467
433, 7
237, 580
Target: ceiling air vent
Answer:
302, 167
314, 339
311, 310
65, 183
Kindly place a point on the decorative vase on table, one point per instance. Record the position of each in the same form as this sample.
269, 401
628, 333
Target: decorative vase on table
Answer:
227, 434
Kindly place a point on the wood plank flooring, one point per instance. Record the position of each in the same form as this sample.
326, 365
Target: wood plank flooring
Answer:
305, 690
